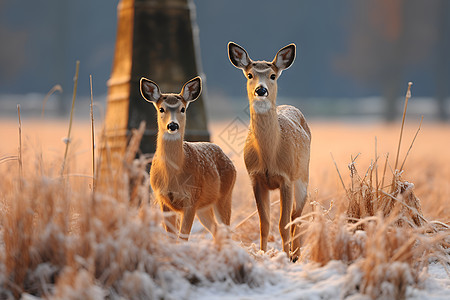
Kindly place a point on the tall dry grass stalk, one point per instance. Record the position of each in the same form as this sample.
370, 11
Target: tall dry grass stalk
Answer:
92, 133
74, 95
56, 88
19, 156
407, 97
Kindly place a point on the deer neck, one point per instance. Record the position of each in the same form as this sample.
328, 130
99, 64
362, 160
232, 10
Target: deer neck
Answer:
169, 151
266, 130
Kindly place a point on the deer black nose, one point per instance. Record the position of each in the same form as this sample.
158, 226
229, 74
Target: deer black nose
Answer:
173, 126
261, 91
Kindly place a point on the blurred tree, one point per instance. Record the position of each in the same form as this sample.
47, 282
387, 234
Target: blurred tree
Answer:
386, 36
443, 59
13, 45
60, 56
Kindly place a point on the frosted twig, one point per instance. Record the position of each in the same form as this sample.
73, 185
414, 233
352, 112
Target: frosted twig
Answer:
51, 92
71, 115
92, 133
252, 214
340, 177
412, 143
20, 142
408, 95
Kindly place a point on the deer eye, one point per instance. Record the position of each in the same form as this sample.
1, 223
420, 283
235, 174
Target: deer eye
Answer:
249, 76
273, 76
161, 110
183, 110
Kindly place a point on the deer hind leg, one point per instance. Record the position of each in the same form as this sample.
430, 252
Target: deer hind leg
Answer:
286, 202
300, 194
222, 208
206, 217
263, 204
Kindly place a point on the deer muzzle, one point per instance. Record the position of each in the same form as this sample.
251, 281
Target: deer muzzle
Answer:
261, 91
173, 127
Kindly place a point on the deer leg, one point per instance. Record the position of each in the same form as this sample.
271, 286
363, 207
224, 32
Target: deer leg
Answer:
300, 194
206, 217
170, 219
263, 204
286, 202
222, 208
186, 222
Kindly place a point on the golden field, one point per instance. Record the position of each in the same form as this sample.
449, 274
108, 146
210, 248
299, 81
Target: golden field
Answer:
59, 223
427, 165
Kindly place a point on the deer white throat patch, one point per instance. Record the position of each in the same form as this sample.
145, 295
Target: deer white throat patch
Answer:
167, 136
262, 106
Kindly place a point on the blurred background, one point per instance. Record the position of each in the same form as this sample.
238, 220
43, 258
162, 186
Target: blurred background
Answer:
354, 57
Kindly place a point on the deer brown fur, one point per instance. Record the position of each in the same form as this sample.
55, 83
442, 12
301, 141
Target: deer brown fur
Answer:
277, 149
189, 178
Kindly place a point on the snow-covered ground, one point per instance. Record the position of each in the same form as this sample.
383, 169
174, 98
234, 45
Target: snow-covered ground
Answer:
212, 271
336, 280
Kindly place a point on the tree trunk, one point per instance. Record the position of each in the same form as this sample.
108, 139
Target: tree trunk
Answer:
443, 60
157, 39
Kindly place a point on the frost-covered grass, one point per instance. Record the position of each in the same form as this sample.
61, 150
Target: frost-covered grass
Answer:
60, 240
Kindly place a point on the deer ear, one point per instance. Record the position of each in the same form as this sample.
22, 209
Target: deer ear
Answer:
191, 90
238, 56
150, 90
285, 57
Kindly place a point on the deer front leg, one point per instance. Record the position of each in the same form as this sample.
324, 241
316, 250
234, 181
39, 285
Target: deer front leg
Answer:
285, 215
186, 222
170, 219
263, 204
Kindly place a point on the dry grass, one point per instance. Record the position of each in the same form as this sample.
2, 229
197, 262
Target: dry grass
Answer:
383, 233
384, 236
59, 239
374, 219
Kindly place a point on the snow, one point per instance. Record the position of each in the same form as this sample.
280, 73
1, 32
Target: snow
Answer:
203, 268
336, 280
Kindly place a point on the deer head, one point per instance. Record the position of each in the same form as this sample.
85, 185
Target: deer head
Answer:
261, 76
171, 108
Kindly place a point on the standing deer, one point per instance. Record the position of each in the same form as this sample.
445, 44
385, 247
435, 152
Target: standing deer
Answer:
190, 178
277, 149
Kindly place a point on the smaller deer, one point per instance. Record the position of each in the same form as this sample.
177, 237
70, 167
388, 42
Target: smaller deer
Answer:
190, 178
277, 148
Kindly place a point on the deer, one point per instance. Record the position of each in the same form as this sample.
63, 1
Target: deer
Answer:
277, 148
187, 178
